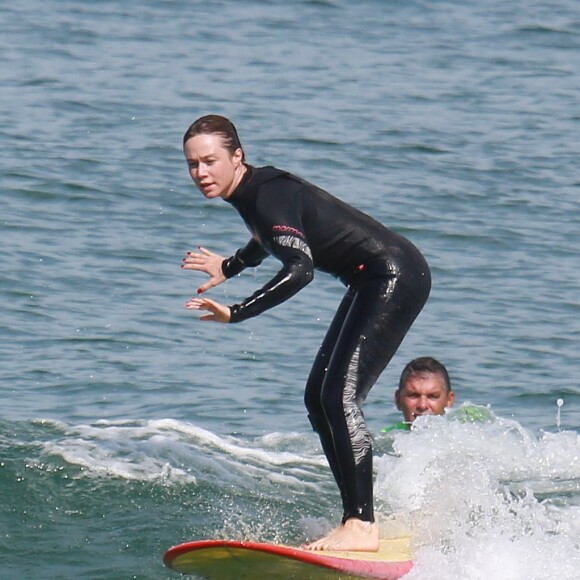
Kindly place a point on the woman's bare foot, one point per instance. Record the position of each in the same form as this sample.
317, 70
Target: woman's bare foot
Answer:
354, 535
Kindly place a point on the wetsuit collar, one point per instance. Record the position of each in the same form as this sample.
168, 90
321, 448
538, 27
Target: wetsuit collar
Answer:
254, 177
246, 178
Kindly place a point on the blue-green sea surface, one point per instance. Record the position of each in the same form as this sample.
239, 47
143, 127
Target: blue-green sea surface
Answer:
127, 425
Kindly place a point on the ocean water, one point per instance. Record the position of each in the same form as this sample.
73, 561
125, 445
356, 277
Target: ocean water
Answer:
127, 425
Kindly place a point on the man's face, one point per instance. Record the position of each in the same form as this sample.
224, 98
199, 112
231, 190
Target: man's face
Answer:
423, 394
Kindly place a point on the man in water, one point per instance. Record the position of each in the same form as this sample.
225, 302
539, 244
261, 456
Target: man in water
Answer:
424, 389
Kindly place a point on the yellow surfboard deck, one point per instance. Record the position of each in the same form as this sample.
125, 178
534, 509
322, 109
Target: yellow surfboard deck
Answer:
235, 560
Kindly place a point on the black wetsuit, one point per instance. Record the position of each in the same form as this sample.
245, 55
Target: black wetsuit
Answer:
388, 282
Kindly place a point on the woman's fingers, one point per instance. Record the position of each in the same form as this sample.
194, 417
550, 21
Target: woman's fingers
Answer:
218, 312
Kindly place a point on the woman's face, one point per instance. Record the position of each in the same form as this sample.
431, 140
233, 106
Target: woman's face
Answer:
213, 168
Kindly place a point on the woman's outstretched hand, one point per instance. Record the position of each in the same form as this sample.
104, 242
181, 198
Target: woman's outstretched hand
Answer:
208, 262
217, 312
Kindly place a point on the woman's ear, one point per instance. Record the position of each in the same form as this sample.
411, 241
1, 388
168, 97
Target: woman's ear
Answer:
238, 157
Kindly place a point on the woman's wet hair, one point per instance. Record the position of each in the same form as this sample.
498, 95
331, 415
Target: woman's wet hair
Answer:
216, 125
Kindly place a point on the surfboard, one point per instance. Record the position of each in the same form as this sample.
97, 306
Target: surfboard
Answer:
238, 560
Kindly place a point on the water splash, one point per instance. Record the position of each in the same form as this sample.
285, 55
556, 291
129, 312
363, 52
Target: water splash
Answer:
560, 404
484, 500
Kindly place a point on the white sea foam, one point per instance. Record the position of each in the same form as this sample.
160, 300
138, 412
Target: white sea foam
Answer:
485, 500
177, 452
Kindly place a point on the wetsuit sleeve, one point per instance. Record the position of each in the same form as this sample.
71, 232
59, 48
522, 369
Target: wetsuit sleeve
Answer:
249, 256
281, 229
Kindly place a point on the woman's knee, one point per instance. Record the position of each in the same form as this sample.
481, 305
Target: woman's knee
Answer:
331, 402
323, 406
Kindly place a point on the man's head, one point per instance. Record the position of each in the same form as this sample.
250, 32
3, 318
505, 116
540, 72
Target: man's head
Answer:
424, 389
